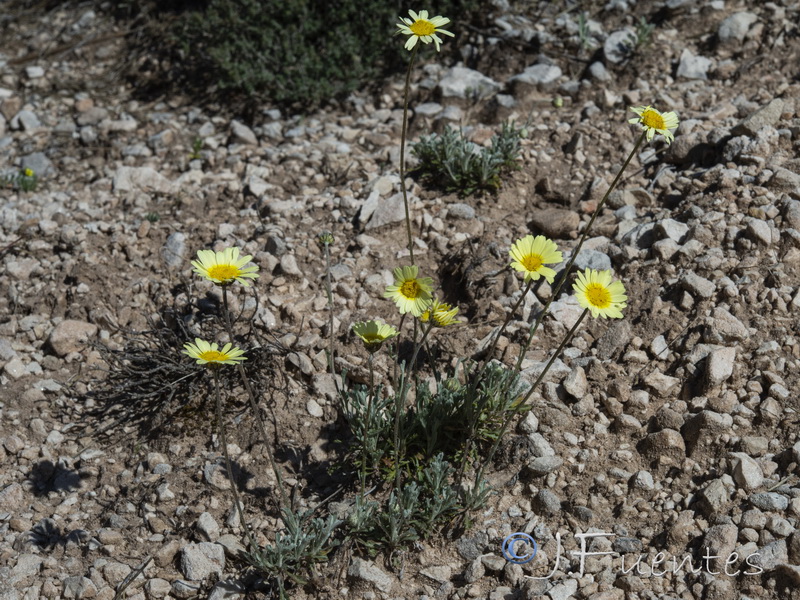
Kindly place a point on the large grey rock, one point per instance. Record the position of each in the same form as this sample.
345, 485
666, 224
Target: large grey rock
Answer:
207, 527
544, 465
25, 120
464, 83
92, 116
576, 384
591, 259
146, 179
758, 231
173, 252
368, 571
747, 472
772, 555
541, 77
769, 501
556, 223
198, 561
697, 285
722, 326
735, 27
719, 366
383, 211
38, 163
766, 116
242, 134
784, 180
618, 45
693, 67
547, 502
721, 541
70, 336
12, 497
79, 587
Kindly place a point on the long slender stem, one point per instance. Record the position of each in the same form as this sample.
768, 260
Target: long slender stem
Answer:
401, 400
368, 420
403, 152
284, 499
539, 379
329, 291
224, 442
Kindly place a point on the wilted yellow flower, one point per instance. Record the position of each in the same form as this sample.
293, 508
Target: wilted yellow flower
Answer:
223, 268
603, 297
441, 313
420, 27
654, 122
410, 293
374, 333
531, 254
211, 355
325, 238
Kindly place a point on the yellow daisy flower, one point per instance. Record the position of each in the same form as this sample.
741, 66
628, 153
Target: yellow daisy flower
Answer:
223, 268
531, 254
211, 355
410, 293
604, 298
420, 27
654, 122
374, 333
442, 314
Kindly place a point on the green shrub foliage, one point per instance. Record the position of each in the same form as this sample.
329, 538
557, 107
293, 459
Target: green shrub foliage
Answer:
299, 51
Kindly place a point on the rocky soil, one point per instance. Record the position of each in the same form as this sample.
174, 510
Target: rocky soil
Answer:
673, 432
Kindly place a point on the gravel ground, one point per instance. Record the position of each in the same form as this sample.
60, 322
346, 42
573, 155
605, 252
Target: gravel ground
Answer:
673, 433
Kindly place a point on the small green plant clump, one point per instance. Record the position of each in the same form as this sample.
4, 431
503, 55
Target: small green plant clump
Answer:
643, 35
458, 165
25, 180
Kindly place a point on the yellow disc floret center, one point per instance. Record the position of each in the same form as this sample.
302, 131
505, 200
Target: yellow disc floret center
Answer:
532, 262
598, 295
212, 355
423, 27
652, 119
410, 289
223, 272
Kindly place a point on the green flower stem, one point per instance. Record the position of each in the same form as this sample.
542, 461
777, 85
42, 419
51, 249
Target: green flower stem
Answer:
368, 420
329, 291
403, 152
401, 400
539, 379
284, 499
575, 253
224, 442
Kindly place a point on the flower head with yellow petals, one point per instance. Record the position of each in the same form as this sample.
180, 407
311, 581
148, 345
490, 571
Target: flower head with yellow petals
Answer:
420, 27
596, 291
654, 122
210, 354
410, 292
440, 314
531, 254
224, 268
374, 333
